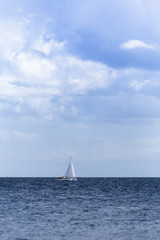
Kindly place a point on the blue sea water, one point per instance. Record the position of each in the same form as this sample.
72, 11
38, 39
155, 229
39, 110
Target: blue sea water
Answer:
89, 208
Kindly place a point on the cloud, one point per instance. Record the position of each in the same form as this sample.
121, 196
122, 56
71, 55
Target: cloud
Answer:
23, 136
132, 44
6, 135
41, 77
38, 72
51, 45
13, 37
150, 146
125, 20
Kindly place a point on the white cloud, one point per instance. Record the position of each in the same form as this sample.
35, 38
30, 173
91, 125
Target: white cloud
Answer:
138, 85
86, 75
6, 135
149, 147
23, 136
13, 37
37, 71
49, 46
32, 66
132, 44
43, 74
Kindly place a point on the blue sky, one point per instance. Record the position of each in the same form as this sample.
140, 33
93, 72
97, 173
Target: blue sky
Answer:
80, 78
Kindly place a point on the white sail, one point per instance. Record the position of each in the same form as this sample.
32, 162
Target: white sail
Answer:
70, 173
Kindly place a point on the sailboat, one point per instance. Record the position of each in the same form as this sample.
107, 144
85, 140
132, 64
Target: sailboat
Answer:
70, 173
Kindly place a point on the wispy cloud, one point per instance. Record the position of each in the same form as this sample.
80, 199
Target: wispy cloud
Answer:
132, 44
6, 135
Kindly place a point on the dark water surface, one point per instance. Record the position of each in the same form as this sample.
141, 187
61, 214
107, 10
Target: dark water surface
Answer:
90, 208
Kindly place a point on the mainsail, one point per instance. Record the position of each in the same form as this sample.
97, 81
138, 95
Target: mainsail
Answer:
70, 173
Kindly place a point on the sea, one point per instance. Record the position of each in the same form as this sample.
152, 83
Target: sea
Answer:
86, 209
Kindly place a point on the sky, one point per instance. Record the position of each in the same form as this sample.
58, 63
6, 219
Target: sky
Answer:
80, 78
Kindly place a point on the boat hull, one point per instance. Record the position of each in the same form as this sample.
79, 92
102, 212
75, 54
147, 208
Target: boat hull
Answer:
67, 179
